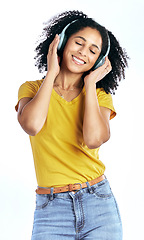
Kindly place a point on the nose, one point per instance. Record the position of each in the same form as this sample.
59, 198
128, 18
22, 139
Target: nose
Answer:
83, 51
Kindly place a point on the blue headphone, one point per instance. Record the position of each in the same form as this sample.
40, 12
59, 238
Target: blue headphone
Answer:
100, 61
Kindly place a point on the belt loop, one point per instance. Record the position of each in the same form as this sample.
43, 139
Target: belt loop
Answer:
89, 187
51, 194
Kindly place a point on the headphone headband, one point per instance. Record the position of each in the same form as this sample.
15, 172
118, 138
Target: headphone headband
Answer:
62, 35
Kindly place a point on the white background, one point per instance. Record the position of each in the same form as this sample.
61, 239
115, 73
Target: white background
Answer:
21, 23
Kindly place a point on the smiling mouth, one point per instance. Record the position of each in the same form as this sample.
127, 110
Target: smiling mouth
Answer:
78, 61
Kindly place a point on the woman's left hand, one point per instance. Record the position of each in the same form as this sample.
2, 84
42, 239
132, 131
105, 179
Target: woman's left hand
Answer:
98, 74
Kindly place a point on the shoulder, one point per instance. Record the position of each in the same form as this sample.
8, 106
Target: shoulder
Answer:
28, 90
32, 84
101, 91
103, 96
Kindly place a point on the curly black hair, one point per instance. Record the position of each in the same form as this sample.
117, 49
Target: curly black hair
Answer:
117, 56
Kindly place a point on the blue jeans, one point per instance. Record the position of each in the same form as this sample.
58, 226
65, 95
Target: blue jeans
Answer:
90, 213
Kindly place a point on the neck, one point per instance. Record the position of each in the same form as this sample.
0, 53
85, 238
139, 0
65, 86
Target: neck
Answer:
68, 80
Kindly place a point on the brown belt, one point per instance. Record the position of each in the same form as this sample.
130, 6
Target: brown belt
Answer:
70, 187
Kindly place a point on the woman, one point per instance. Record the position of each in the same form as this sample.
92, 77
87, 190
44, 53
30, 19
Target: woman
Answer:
67, 116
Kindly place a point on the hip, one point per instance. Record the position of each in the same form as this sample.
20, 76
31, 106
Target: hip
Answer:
91, 211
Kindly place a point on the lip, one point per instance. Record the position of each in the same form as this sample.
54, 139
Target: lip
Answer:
79, 62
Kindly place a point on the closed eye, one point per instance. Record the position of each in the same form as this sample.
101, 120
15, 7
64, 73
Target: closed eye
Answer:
78, 43
92, 52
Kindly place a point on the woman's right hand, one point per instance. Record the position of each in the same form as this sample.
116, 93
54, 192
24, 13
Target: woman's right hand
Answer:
32, 112
52, 57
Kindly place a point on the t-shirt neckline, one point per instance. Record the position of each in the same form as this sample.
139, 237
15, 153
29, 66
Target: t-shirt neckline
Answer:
62, 100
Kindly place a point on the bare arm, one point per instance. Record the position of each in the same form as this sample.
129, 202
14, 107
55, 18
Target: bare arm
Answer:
32, 113
96, 128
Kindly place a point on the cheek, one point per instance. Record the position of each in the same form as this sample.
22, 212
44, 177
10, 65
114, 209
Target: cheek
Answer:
93, 60
65, 56
67, 49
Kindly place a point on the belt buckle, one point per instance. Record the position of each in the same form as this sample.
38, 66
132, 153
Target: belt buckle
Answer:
78, 189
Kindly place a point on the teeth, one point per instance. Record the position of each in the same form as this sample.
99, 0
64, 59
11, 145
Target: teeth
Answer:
78, 60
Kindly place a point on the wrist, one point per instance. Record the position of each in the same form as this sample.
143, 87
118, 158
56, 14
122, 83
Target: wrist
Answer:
51, 75
90, 86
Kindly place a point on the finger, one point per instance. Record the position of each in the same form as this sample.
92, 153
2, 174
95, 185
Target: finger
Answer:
107, 65
107, 62
53, 46
56, 42
108, 68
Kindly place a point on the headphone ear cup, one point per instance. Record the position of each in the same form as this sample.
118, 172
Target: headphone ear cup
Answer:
99, 63
101, 60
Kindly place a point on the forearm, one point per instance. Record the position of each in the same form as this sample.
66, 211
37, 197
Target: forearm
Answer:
34, 113
95, 128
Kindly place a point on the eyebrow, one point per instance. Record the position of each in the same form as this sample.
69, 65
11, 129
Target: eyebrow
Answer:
94, 45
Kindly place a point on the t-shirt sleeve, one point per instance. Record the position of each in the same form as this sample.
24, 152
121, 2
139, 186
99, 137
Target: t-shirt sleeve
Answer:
105, 100
28, 89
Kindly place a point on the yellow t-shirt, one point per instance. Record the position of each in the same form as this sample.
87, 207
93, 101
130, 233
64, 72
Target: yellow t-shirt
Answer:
60, 154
